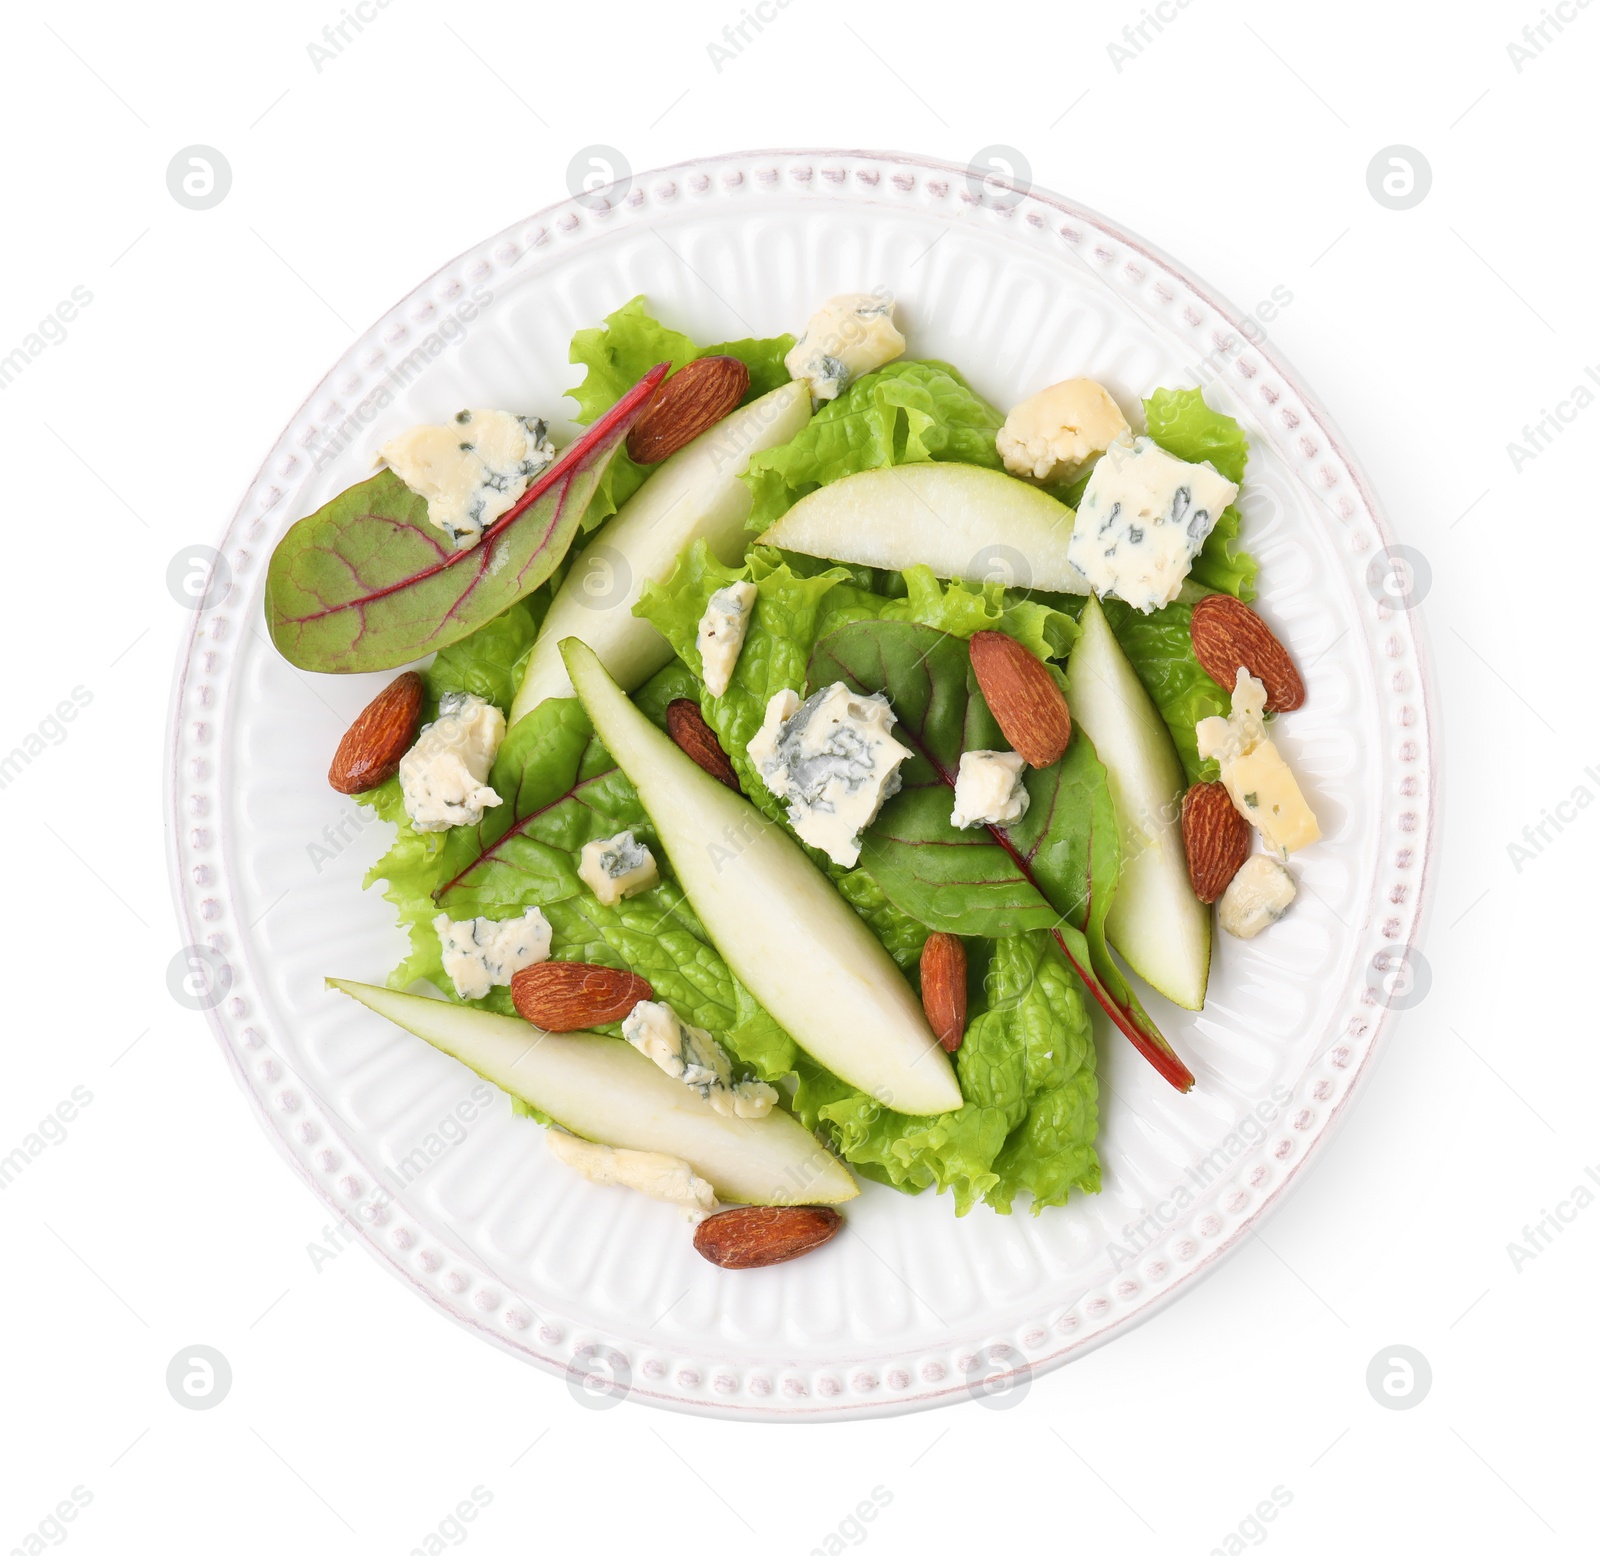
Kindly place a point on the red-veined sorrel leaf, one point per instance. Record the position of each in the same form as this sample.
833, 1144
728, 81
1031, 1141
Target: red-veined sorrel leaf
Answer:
1055, 869
367, 583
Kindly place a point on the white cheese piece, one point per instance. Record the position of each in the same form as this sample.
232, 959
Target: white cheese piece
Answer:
1258, 895
989, 789
847, 336
833, 759
1257, 779
693, 1056
479, 953
649, 1172
472, 470
721, 634
1055, 433
442, 777
1143, 519
617, 867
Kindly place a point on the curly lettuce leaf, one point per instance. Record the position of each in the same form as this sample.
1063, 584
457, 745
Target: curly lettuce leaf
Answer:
1185, 426
618, 353
904, 413
1027, 1072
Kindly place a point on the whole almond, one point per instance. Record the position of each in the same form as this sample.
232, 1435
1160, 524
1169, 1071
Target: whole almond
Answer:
569, 996
1228, 636
1216, 839
1023, 697
383, 731
694, 737
754, 1236
944, 987
692, 400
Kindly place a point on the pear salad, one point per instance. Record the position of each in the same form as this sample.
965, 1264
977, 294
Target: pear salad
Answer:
783, 771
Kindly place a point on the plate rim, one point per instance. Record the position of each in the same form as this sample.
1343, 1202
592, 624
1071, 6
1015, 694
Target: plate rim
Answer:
849, 173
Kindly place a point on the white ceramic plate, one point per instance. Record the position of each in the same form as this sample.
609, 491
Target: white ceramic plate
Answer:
910, 1307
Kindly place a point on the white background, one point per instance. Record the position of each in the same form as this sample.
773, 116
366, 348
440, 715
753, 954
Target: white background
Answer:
1238, 138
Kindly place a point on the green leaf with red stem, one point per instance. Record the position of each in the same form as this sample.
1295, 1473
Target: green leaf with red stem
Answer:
1055, 869
367, 583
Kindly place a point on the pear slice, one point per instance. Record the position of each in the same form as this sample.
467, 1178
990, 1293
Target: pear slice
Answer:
789, 937
605, 1090
696, 494
960, 520
1158, 924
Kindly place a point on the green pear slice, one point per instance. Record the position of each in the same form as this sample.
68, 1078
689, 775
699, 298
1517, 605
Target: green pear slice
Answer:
695, 494
960, 520
1158, 924
605, 1090
789, 937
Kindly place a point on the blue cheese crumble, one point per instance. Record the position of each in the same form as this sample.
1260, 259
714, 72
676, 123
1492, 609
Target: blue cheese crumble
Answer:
617, 867
479, 953
847, 336
653, 1173
989, 789
693, 1056
1259, 894
835, 762
443, 777
1143, 519
720, 636
472, 470
1055, 433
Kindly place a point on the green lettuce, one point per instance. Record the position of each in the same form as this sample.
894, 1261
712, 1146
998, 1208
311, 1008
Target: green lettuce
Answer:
957, 1152
619, 352
1027, 1072
904, 413
1159, 648
1186, 427
560, 790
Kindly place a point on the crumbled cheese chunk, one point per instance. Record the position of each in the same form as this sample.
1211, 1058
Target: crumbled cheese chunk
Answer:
847, 336
693, 1056
443, 776
1258, 895
721, 633
833, 759
649, 1172
482, 952
472, 470
1256, 777
1055, 433
989, 789
1143, 519
617, 867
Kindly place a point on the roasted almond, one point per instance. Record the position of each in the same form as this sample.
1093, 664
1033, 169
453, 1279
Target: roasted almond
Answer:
944, 987
753, 1236
1216, 839
383, 731
692, 400
1023, 697
1228, 635
568, 996
695, 739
